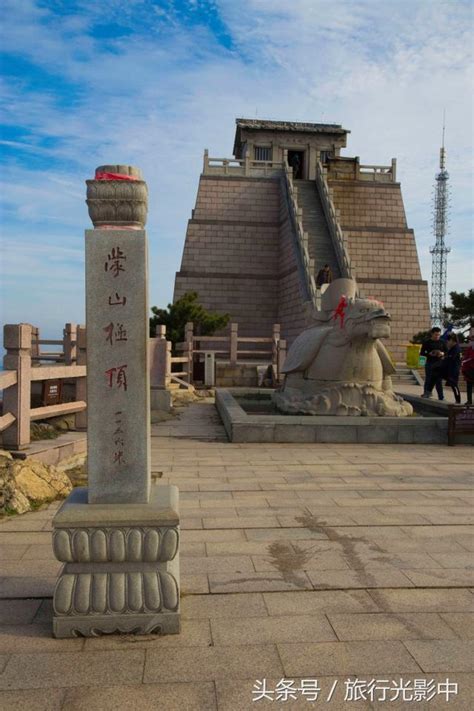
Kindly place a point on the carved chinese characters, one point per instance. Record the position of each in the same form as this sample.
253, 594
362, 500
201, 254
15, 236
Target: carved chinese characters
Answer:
117, 373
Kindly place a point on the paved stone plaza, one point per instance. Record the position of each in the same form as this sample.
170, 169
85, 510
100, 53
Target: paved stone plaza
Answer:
319, 561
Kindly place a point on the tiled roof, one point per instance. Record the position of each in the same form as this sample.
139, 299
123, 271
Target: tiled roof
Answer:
289, 126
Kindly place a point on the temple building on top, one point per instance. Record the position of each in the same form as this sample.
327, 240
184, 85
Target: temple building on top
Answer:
268, 219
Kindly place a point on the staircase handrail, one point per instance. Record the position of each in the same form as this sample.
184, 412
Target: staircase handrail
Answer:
295, 216
332, 222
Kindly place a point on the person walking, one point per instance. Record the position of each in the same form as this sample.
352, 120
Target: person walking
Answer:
324, 276
452, 365
434, 350
467, 366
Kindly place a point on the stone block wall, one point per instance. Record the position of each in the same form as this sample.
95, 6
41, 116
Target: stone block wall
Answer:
365, 204
383, 255
231, 251
230, 376
241, 256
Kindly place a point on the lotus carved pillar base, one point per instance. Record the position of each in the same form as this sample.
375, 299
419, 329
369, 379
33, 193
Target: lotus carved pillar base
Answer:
121, 570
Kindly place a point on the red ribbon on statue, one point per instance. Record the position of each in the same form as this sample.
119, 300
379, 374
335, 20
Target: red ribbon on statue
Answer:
114, 176
340, 311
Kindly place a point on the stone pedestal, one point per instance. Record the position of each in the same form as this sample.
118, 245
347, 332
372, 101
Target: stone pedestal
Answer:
121, 570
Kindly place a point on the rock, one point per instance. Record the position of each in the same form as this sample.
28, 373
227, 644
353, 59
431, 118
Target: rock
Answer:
63, 423
26, 483
75, 469
42, 430
185, 397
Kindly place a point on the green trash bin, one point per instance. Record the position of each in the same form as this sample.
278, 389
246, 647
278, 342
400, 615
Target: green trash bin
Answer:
413, 354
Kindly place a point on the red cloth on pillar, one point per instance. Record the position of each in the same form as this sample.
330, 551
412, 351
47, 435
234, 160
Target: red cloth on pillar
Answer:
114, 176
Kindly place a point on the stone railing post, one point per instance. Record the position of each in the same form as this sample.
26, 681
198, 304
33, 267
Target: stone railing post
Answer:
394, 170
16, 398
275, 345
160, 370
81, 383
35, 347
247, 163
119, 539
189, 348
356, 168
70, 343
234, 343
281, 357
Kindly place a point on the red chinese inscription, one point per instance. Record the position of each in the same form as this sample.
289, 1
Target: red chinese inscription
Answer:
117, 377
115, 333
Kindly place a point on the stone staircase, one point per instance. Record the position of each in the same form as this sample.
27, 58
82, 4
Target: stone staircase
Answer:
320, 246
404, 375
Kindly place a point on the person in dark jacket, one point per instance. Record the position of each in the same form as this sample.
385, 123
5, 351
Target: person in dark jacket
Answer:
434, 350
468, 366
324, 276
452, 365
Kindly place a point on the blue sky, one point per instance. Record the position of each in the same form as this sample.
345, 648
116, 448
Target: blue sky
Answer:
154, 82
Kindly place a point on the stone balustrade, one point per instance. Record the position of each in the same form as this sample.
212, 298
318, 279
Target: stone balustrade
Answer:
241, 167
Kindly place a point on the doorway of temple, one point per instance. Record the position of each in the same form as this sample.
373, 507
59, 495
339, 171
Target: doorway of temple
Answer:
296, 161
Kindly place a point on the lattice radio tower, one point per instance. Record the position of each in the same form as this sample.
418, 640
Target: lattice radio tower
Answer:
440, 250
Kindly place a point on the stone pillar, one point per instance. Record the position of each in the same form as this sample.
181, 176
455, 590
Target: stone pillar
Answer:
189, 348
35, 347
119, 539
16, 398
234, 343
70, 343
81, 383
275, 347
281, 358
160, 370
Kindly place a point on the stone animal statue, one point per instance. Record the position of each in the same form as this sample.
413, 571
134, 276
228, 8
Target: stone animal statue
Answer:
339, 366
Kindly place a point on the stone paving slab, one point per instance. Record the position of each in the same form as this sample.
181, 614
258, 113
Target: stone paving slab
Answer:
18, 612
232, 605
36, 637
212, 663
379, 626
357, 559
239, 695
263, 630
429, 600
32, 700
319, 601
46, 670
324, 658
252, 582
12, 552
191, 696
443, 656
343, 579
461, 622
